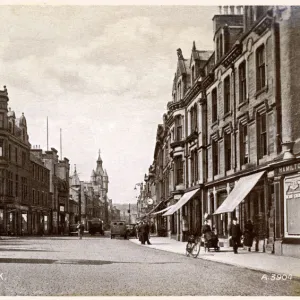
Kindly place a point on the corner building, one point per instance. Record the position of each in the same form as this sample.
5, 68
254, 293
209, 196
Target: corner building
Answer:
231, 132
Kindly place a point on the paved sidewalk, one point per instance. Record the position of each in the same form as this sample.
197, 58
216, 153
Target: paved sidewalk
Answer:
264, 262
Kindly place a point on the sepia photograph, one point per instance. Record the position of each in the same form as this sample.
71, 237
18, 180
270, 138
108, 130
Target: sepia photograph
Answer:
149, 149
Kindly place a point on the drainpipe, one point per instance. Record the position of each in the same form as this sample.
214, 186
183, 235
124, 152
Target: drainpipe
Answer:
234, 118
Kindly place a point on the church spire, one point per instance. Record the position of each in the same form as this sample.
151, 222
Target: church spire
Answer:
99, 157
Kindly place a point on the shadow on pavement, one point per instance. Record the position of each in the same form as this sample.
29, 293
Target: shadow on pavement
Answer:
73, 261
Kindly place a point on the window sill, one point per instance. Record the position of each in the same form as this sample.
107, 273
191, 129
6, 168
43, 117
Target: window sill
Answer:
245, 102
263, 159
261, 91
228, 114
214, 123
229, 172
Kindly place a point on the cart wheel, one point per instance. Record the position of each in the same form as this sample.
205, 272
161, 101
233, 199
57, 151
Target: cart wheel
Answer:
196, 250
187, 251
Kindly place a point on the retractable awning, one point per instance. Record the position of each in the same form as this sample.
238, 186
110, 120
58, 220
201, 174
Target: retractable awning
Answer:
183, 200
153, 209
163, 210
241, 189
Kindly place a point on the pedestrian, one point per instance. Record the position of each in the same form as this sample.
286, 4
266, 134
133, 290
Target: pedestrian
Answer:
147, 233
248, 235
80, 229
185, 228
235, 234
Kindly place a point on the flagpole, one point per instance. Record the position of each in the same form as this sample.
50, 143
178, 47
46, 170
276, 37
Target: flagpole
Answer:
47, 135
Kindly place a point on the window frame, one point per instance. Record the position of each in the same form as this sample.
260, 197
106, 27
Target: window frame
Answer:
214, 105
262, 135
226, 95
260, 68
244, 144
215, 157
242, 82
228, 151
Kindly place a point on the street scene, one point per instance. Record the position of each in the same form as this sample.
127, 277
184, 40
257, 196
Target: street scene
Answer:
149, 150
117, 267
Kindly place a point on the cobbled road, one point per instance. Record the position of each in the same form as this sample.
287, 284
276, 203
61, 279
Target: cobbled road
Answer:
99, 266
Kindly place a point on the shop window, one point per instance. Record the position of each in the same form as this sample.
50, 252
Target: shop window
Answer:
244, 151
24, 223
227, 94
215, 156
214, 100
260, 68
242, 82
262, 135
227, 145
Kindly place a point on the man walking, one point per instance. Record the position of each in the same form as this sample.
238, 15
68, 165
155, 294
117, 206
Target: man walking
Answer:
235, 234
80, 229
147, 233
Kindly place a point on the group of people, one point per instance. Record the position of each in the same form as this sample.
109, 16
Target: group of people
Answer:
143, 232
235, 232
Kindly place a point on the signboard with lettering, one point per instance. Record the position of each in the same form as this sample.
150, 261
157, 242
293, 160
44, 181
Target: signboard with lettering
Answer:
289, 168
292, 205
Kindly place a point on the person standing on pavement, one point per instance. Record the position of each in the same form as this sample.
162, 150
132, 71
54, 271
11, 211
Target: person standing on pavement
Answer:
235, 234
185, 228
248, 235
80, 229
147, 233
142, 233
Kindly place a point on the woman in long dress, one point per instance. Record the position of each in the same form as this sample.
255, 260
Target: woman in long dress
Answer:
248, 235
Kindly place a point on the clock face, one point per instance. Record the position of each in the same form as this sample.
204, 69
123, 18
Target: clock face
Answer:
150, 201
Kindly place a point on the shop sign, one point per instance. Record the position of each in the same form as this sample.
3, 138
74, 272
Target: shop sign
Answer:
292, 205
289, 168
61, 208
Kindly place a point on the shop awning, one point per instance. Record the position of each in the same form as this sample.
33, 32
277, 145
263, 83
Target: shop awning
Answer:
163, 210
183, 200
241, 189
153, 209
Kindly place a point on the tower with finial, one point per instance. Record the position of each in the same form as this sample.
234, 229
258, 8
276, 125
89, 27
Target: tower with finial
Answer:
3, 108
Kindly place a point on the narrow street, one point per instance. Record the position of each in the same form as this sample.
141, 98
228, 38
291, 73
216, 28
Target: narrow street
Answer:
99, 266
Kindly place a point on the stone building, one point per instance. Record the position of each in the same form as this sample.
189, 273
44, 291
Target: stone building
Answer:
15, 169
59, 189
229, 144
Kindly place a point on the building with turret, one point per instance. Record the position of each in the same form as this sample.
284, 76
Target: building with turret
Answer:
229, 145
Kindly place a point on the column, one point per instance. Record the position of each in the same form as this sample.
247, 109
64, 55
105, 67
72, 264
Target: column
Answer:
208, 202
178, 225
189, 179
215, 207
169, 226
228, 214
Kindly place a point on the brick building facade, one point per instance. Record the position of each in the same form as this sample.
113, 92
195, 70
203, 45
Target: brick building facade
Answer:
229, 142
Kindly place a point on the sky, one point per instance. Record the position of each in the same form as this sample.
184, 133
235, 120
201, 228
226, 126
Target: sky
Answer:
103, 74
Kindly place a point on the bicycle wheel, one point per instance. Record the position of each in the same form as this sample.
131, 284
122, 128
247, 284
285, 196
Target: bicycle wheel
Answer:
195, 250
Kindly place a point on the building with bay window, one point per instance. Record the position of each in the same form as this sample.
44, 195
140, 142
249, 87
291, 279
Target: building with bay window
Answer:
232, 130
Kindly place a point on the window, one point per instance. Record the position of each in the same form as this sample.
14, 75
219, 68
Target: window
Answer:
178, 125
38, 197
16, 155
1, 148
9, 152
179, 170
10, 183
227, 144
23, 158
242, 82
214, 105
215, 155
179, 91
194, 166
260, 68
1, 120
42, 199
10, 127
221, 47
194, 119
24, 188
33, 196
244, 152
17, 186
262, 135
227, 94
193, 74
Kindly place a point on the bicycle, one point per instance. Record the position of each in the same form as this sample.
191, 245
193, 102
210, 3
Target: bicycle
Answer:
193, 246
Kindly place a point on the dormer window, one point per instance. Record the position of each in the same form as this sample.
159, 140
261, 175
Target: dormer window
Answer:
193, 74
179, 91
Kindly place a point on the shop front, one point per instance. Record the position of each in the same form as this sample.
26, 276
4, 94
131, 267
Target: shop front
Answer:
287, 208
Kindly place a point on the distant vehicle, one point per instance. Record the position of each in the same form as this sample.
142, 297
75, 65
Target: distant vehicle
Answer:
118, 228
95, 225
73, 229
